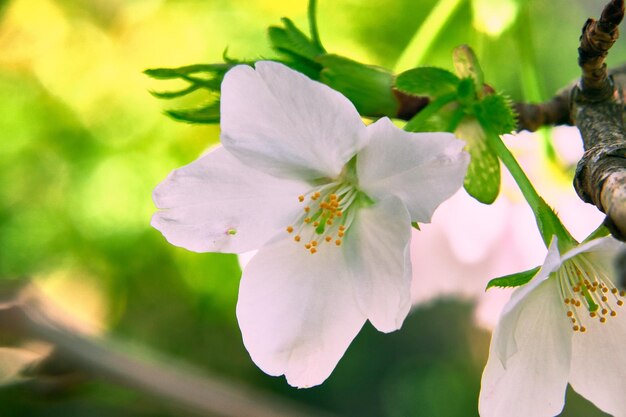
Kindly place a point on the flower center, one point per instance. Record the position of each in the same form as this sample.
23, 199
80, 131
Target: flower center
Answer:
585, 285
326, 216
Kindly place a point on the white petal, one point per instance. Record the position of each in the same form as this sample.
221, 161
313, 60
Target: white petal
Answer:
422, 169
280, 121
217, 194
297, 311
606, 247
377, 249
506, 344
532, 382
598, 370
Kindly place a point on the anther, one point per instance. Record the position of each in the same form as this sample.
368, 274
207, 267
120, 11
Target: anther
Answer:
313, 250
583, 329
338, 242
289, 229
301, 198
314, 243
296, 238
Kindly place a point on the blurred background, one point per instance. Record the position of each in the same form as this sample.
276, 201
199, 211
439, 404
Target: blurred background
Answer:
83, 144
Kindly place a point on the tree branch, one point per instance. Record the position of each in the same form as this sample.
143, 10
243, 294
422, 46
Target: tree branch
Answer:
597, 109
26, 314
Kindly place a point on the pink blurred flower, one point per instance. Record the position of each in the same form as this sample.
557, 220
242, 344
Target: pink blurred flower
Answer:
468, 243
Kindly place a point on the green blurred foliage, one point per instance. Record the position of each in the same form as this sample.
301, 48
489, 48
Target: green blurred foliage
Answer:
84, 144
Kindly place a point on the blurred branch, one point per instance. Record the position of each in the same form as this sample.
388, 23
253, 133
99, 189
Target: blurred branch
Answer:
26, 314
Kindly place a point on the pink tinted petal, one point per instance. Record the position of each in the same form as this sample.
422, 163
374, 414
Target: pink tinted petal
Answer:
377, 249
216, 194
278, 120
532, 381
422, 169
297, 311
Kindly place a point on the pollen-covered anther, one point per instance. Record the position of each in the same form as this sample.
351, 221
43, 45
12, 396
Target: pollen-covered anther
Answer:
301, 198
289, 229
314, 243
313, 250
297, 238
585, 284
338, 242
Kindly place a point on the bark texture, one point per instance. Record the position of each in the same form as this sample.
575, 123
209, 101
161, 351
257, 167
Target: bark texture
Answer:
597, 109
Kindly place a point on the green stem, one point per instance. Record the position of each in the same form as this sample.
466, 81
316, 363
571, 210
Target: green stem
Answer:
416, 124
426, 34
549, 223
315, 36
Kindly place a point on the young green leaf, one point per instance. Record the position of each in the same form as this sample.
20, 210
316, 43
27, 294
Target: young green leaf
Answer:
496, 111
482, 180
291, 40
513, 280
467, 66
427, 81
206, 114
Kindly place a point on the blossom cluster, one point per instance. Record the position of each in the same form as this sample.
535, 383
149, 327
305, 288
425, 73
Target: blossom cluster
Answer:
329, 203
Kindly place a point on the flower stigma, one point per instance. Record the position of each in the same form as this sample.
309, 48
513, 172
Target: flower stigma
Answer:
584, 285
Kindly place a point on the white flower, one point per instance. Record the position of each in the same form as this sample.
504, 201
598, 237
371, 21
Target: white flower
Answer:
565, 325
329, 202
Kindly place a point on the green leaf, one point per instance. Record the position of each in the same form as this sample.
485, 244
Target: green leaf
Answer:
482, 180
181, 72
207, 114
467, 66
495, 110
416, 226
175, 94
513, 280
368, 87
291, 40
427, 81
